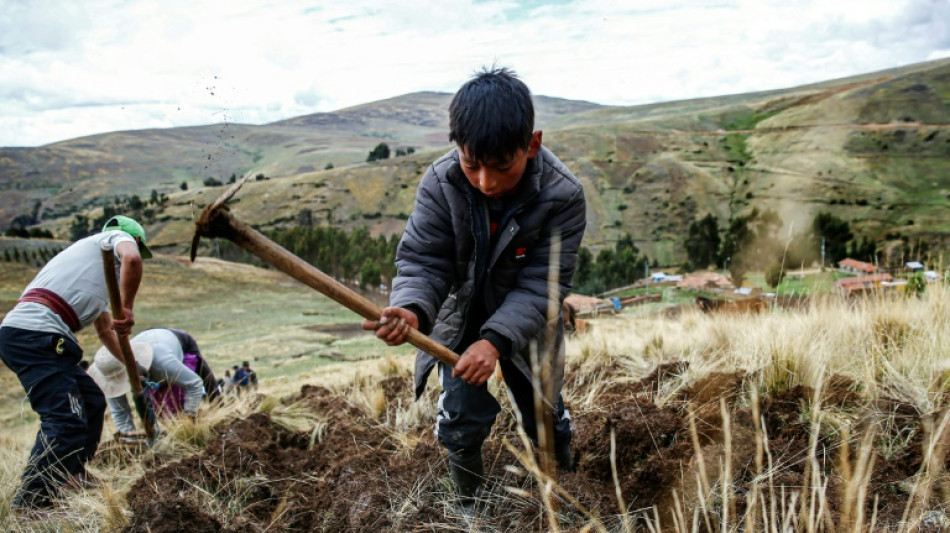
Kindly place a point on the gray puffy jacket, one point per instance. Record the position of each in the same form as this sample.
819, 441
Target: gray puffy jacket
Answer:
444, 253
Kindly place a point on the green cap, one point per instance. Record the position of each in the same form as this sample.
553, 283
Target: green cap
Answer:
133, 228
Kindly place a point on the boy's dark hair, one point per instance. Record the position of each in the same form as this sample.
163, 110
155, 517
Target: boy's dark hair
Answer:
492, 115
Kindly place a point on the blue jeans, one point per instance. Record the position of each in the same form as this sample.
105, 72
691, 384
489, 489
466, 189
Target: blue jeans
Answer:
70, 405
467, 412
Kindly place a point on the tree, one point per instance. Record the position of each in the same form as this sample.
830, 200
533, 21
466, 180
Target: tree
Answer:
380, 152
136, 203
703, 241
836, 234
79, 227
370, 274
183, 186
915, 285
305, 217
735, 251
863, 249
774, 275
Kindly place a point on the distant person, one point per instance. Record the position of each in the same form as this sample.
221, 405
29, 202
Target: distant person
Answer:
38, 342
239, 378
169, 359
473, 266
250, 377
225, 383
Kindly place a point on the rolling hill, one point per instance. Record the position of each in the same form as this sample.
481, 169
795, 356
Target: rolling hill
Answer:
872, 149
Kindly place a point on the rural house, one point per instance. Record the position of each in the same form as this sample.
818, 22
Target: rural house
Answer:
862, 284
853, 266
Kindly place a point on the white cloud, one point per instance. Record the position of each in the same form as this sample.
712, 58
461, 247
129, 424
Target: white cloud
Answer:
75, 68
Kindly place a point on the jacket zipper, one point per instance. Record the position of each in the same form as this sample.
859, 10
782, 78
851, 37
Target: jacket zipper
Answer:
479, 227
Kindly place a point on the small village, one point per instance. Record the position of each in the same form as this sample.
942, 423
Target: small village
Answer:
715, 291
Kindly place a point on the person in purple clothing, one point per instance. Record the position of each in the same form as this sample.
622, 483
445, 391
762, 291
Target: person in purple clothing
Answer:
168, 358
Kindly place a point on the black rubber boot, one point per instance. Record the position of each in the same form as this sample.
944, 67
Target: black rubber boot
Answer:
564, 456
36, 499
465, 467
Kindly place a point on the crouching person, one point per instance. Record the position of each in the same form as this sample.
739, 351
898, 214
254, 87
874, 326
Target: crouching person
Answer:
162, 360
38, 342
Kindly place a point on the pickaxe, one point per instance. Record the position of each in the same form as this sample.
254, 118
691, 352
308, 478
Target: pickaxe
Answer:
217, 221
142, 405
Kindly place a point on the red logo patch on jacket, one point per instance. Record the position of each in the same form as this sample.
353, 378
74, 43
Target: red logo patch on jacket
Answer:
521, 253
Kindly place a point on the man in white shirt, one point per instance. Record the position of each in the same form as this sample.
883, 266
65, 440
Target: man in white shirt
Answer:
38, 342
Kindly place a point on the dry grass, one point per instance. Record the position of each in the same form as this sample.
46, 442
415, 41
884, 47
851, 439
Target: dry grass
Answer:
895, 348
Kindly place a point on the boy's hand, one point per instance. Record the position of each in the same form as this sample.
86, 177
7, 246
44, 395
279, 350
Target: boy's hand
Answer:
393, 325
477, 364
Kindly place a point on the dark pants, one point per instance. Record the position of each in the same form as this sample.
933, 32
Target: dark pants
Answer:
466, 412
70, 404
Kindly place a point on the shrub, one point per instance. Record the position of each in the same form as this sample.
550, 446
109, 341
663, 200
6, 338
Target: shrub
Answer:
380, 152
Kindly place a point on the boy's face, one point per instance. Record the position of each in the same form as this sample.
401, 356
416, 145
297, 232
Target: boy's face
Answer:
498, 178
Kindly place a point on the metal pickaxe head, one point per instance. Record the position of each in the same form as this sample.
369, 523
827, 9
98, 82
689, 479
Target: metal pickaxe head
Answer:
213, 221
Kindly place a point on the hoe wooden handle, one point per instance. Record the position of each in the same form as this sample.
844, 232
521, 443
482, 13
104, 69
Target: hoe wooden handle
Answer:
217, 221
128, 357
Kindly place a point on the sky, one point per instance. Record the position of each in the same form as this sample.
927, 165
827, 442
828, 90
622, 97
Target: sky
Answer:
74, 68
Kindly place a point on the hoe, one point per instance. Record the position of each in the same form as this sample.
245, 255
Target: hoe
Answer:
217, 221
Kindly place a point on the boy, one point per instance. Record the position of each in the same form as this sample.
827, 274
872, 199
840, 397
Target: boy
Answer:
38, 342
473, 268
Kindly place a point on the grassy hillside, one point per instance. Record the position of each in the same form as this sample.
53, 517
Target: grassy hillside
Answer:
74, 175
872, 149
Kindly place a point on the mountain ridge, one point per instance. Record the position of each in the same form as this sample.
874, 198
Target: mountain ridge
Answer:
873, 149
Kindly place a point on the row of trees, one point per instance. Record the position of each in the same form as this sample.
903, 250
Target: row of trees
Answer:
355, 257
361, 259
36, 256
131, 206
752, 242
611, 268
381, 151
20, 223
32, 233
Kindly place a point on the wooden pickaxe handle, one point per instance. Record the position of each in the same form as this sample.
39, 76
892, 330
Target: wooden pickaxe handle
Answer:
217, 221
128, 356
